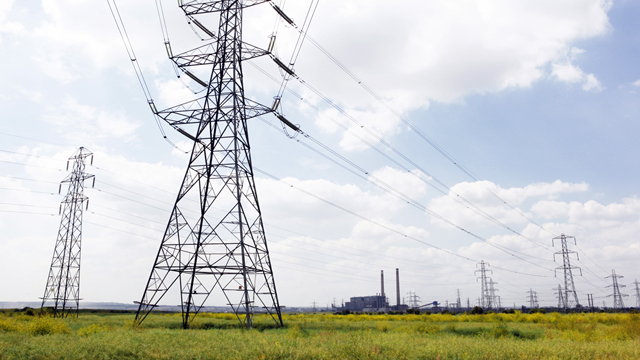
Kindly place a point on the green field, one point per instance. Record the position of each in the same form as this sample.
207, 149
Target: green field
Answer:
104, 335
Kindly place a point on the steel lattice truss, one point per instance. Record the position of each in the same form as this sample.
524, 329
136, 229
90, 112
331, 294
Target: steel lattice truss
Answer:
205, 248
487, 292
63, 283
570, 294
618, 303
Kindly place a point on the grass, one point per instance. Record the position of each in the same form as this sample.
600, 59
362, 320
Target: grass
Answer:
104, 335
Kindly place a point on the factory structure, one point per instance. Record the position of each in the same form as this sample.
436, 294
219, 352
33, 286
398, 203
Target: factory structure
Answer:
375, 303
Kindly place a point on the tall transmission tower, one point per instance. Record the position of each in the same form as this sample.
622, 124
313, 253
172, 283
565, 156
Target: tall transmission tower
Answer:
486, 296
458, 302
570, 294
618, 304
63, 282
414, 300
637, 293
219, 246
495, 300
532, 296
562, 303
590, 301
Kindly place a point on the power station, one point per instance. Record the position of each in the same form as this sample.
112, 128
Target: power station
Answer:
377, 302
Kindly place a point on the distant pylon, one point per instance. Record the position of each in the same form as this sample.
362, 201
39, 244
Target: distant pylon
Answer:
486, 299
570, 294
562, 303
215, 238
590, 301
532, 296
458, 302
637, 294
485, 291
618, 304
414, 300
63, 282
495, 300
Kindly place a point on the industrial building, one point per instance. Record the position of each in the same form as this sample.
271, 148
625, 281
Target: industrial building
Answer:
375, 303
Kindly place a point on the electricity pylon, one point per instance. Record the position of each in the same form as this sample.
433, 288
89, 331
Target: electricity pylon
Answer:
223, 245
618, 304
458, 302
63, 282
570, 294
486, 296
532, 296
562, 303
637, 293
495, 300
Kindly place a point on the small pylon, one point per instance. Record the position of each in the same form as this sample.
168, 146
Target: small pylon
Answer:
570, 294
618, 304
562, 303
532, 297
486, 298
63, 282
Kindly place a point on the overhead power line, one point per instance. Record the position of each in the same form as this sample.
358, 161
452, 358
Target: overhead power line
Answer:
389, 228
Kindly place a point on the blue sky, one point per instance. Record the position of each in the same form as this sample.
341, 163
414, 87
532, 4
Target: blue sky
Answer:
538, 99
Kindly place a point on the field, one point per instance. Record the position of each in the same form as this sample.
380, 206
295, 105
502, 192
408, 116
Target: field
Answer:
104, 335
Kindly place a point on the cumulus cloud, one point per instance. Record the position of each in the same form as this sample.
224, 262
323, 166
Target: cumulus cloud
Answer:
411, 184
482, 194
590, 212
438, 51
444, 51
6, 26
573, 74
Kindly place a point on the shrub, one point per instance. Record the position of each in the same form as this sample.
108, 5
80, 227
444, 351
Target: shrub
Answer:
477, 310
46, 326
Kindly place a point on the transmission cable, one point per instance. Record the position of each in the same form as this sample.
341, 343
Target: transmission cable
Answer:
136, 66
421, 134
450, 194
391, 190
394, 230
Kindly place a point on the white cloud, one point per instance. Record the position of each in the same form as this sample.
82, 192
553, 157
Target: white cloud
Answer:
590, 213
8, 27
411, 184
440, 51
572, 74
443, 51
173, 92
482, 194
636, 83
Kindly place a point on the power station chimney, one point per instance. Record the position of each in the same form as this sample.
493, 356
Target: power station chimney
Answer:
382, 283
398, 288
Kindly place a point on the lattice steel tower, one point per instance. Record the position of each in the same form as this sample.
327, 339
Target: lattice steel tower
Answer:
570, 294
637, 293
618, 304
562, 302
532, 297
486, 294
63, 283
221, 246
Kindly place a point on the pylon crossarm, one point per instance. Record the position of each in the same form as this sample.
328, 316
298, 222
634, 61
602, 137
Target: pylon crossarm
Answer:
206, 55
205, 7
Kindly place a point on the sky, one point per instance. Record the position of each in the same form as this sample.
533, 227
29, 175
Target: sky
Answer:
536, 105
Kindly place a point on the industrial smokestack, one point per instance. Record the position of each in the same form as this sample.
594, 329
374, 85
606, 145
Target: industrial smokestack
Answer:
398, 288
382, 283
